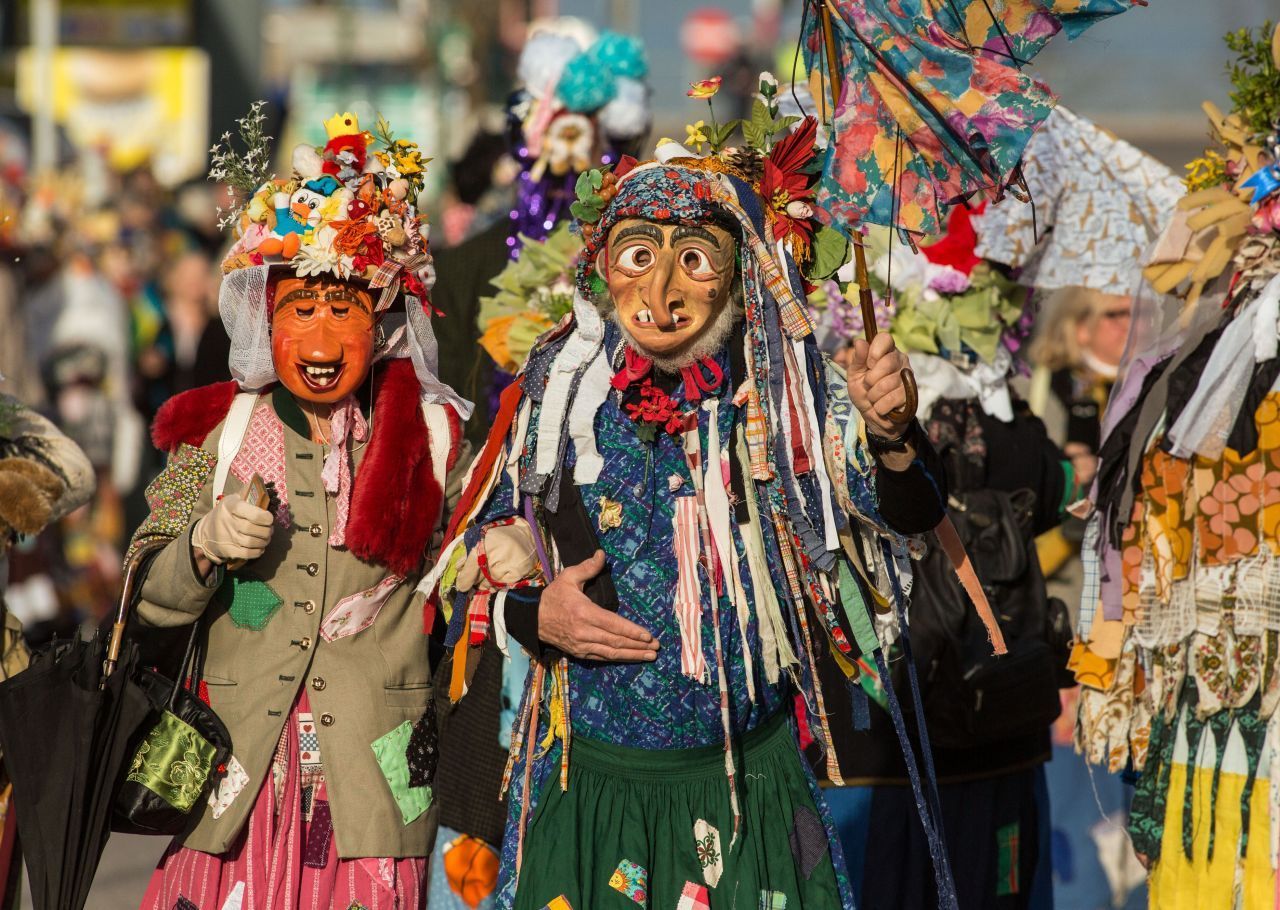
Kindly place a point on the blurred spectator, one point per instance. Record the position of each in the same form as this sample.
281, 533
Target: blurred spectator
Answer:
43, 476
1074, 357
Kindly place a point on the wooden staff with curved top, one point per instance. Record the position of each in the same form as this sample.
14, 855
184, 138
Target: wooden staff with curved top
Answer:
907, 409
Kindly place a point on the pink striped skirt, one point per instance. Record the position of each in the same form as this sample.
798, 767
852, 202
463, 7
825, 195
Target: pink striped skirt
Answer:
286, 858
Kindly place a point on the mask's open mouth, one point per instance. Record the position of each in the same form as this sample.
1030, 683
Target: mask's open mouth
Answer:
644, 319
320, 377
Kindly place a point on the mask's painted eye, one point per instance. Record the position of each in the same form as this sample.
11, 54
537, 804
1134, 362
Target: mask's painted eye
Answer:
696, 262
339, 312
636, 258
305, 312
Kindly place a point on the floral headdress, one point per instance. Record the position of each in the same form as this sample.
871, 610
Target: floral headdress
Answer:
349, 210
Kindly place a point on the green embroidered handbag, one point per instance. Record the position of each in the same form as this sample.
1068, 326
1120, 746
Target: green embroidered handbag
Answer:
181, 754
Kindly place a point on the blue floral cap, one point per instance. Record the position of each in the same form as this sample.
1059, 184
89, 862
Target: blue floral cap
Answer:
664, 193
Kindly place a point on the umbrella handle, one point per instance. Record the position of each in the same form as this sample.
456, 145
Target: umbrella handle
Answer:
132, 571
907, 409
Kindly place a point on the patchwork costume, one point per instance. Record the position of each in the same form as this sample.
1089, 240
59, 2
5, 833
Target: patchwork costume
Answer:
1179, 633
744, 525
314, 654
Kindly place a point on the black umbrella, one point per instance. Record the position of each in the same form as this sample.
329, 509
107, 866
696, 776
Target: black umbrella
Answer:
66, 726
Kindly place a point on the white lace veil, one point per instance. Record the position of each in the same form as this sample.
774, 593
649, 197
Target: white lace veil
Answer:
407, 332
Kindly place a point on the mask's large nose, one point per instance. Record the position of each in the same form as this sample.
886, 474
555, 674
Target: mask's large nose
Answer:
663, 298
320, 343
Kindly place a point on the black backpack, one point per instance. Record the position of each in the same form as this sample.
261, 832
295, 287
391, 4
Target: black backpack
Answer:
971, 697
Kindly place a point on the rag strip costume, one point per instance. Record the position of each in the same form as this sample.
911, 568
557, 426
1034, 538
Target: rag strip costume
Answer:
581, 102
744, 525
1179, 628
315, 660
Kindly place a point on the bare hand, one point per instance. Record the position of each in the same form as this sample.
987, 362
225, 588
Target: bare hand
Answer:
874, 372
569, 621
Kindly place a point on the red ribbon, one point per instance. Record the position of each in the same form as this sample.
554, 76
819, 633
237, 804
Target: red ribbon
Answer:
636, 367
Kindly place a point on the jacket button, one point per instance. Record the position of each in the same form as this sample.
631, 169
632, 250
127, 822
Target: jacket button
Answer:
318, 683
305, 643
326, 720
313, 569
308, 606
316, 530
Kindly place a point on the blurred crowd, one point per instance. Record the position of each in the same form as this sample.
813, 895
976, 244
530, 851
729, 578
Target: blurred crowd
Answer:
108, 297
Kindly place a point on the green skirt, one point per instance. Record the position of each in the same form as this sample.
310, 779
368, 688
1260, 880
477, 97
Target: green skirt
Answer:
635, 829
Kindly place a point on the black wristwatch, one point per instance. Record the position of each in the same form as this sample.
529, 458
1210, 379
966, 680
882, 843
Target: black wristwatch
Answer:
881, 445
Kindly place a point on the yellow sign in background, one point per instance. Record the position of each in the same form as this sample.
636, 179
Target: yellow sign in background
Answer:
135, 106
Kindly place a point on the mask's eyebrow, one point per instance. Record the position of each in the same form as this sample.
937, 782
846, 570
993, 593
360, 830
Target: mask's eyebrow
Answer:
652, 231
298, 294
342, 296
693, 230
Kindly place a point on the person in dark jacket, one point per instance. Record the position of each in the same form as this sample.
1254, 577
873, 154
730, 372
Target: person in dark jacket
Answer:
987, 720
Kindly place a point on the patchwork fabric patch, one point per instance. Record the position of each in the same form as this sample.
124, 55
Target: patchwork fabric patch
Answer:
308, 801
423, 753
319, 834
694, 897
173, 495
232, 783
183, 903
1007, 860
631, 880
808, 840
312, 771
250, 602
262, 453
357, 612
558, 903
773, 900
710, 859
390, 752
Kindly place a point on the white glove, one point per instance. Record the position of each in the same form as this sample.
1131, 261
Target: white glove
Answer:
234, 530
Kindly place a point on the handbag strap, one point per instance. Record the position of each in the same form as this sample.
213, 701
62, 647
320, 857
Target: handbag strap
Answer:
189, 659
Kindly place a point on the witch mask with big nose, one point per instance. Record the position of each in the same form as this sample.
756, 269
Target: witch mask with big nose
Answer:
668, 282
322, 337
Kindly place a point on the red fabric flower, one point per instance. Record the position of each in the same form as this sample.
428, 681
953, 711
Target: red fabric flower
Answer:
784, 181
624, 166
956, 247
655, 408
410, 284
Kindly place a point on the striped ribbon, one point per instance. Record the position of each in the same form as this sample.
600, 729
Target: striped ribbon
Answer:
688, 605
390, 274
693, 458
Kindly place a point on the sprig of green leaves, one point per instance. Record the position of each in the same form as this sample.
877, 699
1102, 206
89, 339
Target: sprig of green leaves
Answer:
1255, 77
589, 205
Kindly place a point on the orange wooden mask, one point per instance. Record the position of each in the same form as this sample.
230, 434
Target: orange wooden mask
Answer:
322, 332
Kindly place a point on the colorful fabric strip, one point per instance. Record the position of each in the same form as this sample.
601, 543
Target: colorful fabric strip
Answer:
688, 602
719, 518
